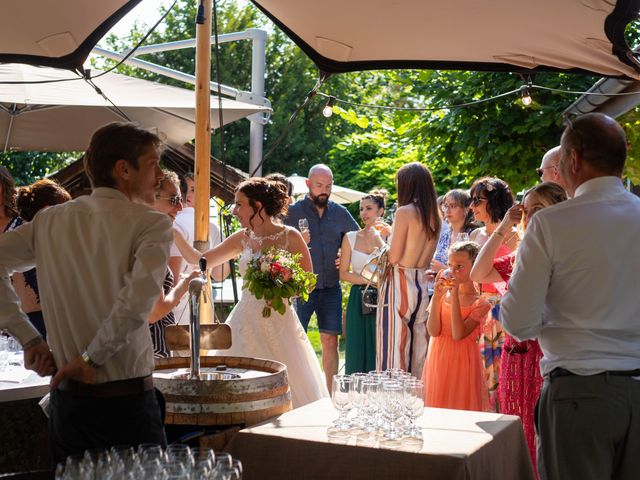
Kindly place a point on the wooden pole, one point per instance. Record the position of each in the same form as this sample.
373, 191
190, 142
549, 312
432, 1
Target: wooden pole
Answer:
202, 171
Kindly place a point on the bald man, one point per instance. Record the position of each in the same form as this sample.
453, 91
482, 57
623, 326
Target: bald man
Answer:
328, 223
548, 170
574, 288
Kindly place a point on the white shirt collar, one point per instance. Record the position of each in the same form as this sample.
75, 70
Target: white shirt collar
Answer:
108, 192
599, 184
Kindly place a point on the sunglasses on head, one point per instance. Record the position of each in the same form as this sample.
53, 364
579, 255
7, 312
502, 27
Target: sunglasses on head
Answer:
174, 200
477, 200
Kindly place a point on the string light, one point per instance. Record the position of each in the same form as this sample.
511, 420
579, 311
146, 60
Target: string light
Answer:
327, 111
525, 96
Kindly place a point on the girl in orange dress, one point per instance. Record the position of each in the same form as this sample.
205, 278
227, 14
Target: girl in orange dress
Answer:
453, 374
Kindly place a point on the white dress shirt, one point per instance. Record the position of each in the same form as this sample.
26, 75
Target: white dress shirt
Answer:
185, 224
101, 262
575, 283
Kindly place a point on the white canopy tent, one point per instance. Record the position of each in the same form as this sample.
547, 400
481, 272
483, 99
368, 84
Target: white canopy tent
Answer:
58, 33
338, 194
61, 116
501, 35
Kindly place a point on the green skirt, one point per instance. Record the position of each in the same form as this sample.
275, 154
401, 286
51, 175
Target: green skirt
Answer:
360, 354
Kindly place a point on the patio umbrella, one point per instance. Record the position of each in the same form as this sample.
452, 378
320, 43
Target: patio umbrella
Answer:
501, 35
62, 116
58, 33
338, 194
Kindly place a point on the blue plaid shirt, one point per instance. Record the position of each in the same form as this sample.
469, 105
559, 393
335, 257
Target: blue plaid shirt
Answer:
326, 236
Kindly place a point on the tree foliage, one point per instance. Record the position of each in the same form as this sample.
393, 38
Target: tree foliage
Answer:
27, 167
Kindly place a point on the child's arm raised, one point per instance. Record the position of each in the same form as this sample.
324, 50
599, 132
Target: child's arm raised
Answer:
433, 320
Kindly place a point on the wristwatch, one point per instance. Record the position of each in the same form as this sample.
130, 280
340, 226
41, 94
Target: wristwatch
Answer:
87, 359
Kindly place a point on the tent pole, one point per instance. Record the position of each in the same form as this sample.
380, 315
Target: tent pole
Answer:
202, 170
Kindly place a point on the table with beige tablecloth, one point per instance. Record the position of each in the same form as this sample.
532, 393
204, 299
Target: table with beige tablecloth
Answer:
456, 445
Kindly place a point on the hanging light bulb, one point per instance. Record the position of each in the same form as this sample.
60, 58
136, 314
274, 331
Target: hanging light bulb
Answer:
327, 111
525, 96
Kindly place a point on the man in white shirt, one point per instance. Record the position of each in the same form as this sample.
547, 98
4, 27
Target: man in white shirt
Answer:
575, 289
185, 223
548, 170
101, 263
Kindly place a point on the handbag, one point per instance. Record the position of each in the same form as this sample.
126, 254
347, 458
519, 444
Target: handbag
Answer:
376, 267
374, 271
369, 300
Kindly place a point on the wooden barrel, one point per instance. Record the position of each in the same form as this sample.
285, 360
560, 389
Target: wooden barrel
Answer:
261, 392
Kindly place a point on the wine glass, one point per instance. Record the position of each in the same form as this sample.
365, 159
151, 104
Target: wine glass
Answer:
342, 397
459, 237
414, 405
303, 225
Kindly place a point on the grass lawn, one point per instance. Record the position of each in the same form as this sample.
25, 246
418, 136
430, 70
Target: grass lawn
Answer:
314, 338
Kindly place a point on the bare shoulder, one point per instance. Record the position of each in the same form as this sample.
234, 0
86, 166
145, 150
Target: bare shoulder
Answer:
406, 213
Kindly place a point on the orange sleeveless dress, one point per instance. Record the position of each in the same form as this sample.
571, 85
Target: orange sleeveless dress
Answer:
453, 373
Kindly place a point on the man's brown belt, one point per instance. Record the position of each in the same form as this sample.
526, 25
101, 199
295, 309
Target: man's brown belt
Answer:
118, 388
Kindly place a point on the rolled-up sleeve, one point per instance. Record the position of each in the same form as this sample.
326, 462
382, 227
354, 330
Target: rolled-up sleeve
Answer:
142, 287
16, 254
522, 306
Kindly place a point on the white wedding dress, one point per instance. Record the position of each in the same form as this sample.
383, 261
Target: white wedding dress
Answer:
278, 337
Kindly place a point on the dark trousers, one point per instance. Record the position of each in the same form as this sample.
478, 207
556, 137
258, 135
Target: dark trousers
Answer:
589, 428
80, 422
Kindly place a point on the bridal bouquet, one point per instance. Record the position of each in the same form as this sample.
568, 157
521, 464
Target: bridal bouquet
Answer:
276, 276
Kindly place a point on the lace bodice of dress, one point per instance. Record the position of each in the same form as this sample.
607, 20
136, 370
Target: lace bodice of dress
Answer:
254, 244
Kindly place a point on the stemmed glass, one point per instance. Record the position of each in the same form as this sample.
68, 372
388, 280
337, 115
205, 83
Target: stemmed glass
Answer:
414, 405
359, 398
393, 408
459, 237
342, 396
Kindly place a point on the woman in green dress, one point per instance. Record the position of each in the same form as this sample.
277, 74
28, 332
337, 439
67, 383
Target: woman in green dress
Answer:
355, 253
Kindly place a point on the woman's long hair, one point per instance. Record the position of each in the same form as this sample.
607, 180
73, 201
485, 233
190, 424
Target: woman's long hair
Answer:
415, 185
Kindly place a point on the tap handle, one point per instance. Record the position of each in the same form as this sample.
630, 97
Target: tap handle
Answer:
203, 264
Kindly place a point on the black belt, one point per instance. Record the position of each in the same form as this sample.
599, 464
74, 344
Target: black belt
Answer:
118, 388
563, 372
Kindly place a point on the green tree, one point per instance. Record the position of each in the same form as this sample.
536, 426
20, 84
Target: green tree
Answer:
27, 167
501, 137
290, 76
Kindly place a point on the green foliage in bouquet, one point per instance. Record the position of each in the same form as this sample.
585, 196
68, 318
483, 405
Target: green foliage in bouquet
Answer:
276, 276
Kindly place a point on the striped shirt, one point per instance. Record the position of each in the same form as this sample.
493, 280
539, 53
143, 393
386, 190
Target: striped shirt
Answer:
157, 328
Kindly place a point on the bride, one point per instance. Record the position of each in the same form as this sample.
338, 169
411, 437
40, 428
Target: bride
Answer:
279, 337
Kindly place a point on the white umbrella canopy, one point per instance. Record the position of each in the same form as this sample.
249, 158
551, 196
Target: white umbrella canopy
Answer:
61, 116
338, 194
56, 33
501, 35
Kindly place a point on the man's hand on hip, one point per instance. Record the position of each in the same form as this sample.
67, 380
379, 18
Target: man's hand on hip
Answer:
76, 369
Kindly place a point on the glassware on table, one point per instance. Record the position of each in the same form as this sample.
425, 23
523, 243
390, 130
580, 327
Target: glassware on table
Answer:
342, 397
393, 410
414, 405
303, 224
360, 419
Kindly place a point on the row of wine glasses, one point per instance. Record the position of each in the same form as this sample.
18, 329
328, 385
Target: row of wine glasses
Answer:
385, 403
150, 462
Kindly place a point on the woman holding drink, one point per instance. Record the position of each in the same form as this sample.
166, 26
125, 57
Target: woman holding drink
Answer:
520, 379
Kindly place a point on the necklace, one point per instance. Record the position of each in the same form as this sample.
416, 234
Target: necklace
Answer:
261, 238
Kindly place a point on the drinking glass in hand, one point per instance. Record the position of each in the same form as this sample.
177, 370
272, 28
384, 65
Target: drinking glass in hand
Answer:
447, 278
303, 225
459, 237
342, 397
